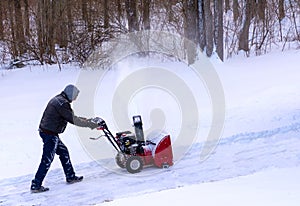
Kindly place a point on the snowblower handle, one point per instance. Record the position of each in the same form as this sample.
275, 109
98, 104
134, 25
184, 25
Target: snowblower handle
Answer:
101, 123
96, 138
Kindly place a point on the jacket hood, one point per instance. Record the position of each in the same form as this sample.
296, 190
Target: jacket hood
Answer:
71, 92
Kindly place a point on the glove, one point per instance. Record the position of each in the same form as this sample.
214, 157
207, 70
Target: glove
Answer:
98, 121
91, 124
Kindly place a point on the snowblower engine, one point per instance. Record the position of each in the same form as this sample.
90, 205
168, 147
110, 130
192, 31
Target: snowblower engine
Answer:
134, 152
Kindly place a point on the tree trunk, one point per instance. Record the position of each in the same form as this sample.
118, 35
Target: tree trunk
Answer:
146, 26
86, 16
294, 20
69, 19
227, 5
218, 16
244, 35
27, 18
84, 12
1, 21
209, 34
119, 10
19, 28
190, 29
40, 30
261, 8
60, 35
201, 25
235, 8
132, 17
281, 9
51, 19
13, 43
146, 14
106, 17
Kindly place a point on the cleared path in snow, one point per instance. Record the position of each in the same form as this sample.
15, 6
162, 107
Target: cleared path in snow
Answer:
238, 155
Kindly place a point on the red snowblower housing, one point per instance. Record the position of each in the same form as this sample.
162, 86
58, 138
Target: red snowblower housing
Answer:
134, 152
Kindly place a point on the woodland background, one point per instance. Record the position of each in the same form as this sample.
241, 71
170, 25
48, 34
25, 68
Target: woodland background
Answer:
64, 31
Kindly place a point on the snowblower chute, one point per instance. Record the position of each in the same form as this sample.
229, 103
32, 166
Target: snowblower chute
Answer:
134, 152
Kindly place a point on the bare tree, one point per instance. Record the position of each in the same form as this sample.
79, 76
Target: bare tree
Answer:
13, 40
70, 26
219, 32
201, 25
119, 10
19, 27
45, 30
190, 29
209, 33
244, 35
235, 9
132, 15
86, 14
261, 8
34, 28
281, 9
105, 14
146, 14
227, 5
1, 20
26, 18
294, 20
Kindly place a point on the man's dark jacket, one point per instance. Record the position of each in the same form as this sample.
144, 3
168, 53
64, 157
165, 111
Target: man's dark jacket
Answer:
58, 113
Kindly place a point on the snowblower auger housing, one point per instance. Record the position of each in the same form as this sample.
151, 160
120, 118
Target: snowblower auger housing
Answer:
134, 152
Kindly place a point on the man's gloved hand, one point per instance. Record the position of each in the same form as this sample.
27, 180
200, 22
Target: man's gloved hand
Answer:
91, 124
98, 120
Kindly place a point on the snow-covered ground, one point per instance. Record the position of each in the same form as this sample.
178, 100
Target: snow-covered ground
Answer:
256, 162
275, 187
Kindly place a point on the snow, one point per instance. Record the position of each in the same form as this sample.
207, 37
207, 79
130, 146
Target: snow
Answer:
255, 189
256, 162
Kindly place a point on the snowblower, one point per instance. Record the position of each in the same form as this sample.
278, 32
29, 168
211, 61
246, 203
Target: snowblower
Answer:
133, 151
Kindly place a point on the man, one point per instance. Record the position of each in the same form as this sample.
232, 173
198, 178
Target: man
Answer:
54, 121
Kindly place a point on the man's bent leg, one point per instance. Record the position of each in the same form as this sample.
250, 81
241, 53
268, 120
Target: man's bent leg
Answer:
64, 157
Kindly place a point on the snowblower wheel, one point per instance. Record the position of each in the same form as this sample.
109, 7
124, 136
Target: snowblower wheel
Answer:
120, 160
134, 164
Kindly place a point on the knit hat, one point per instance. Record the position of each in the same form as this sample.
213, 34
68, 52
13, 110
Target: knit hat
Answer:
71, 92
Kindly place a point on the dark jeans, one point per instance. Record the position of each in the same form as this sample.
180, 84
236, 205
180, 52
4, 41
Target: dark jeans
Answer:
52, 145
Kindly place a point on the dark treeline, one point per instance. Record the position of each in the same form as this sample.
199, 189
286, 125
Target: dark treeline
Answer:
62, 31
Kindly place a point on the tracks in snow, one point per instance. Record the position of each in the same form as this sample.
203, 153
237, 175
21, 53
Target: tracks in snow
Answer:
238, 155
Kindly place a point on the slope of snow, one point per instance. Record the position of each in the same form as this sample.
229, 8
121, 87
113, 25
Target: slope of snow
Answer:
257, 157
274, 187
235, 156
